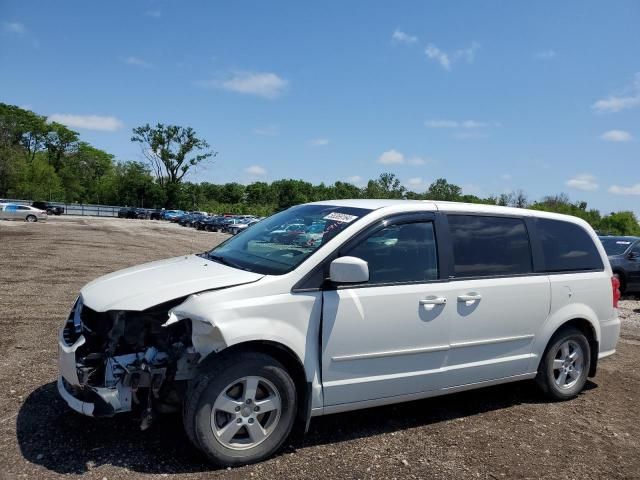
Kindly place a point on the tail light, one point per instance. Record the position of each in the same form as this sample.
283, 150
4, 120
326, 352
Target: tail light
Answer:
615, 287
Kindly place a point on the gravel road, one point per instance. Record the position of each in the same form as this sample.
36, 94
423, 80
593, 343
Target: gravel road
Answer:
507, 432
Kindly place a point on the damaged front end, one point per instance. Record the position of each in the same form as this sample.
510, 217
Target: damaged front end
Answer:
122, 361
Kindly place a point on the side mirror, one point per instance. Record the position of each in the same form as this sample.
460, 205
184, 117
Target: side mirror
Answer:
633, 255
349, 270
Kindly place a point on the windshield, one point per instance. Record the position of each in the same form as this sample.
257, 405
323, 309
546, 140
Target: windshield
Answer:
615, 245
278, 244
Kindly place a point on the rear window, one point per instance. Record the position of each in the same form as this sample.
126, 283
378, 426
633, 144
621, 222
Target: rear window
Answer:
615, 246
486, 246
567, 247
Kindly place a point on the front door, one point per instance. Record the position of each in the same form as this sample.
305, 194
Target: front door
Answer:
390, 336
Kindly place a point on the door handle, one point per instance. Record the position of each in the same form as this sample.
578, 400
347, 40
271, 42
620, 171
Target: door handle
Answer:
429, 303
469, 298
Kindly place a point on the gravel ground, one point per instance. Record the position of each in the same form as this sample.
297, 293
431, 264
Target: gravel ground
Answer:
508, 431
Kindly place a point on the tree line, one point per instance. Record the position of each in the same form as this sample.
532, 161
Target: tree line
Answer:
42, 160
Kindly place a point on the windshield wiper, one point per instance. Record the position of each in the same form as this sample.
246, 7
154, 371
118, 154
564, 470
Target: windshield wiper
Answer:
224, 261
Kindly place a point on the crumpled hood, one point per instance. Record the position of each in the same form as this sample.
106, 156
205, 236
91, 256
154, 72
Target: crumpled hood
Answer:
143, 286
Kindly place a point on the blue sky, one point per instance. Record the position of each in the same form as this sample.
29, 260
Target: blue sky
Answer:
494, 96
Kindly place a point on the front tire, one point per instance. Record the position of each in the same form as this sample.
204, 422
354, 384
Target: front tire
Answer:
31, 218
565, 365
241, 409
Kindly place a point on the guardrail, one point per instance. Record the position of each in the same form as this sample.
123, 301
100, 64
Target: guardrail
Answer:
80, 209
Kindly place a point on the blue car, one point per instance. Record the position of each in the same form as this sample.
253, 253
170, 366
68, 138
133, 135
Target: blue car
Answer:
172, 214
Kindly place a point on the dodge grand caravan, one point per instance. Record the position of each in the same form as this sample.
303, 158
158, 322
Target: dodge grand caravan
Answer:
399, 300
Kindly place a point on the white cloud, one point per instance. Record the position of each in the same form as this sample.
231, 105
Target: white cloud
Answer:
256, 170
87, 122
319, 142
415, 182
434, 53
401, 37
356, 179
473, 124
618, 190
136, 62
267, 131
468, 54
545, 54
584, 181
469, 135
153, 13
261, 84
457, 124
14, 27
441, 124
391, 157
418, 161
446, 60
616, 103
616, 136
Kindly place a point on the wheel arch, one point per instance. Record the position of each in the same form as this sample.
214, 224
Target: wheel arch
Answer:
588, 329
292, 363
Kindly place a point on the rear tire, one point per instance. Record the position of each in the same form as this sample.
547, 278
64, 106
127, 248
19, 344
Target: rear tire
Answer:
565, 365
241, 409
31, 218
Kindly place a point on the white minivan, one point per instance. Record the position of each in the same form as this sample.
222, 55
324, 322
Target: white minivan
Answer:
400, 300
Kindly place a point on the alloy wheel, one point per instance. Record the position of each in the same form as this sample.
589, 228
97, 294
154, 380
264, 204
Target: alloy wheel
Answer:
246, 413
568, 364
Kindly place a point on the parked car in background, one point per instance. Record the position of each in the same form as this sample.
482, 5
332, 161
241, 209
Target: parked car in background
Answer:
286, 233
251, 337
156, 214
215, 224
133, 212
624, 255
312, 235
242, 225
12, 211
229, 223
171, 215
50, 208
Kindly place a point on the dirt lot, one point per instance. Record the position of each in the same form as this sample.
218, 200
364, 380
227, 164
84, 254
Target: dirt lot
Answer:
500, 432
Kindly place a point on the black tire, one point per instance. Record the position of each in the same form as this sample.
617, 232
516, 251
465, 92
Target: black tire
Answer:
546, 378
623, 282
31, 218
216, 376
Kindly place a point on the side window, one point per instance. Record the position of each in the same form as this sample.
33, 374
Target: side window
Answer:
400, 253
567, 247
21, 207
485, 246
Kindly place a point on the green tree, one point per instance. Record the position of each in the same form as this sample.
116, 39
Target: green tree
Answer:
620, 223
171, 151
292, 192
259, 193
387, 185
443, 190
346, 190
58, 141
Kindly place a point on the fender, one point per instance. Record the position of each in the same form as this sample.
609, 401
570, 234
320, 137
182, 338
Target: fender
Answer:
563, 315
291, 320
